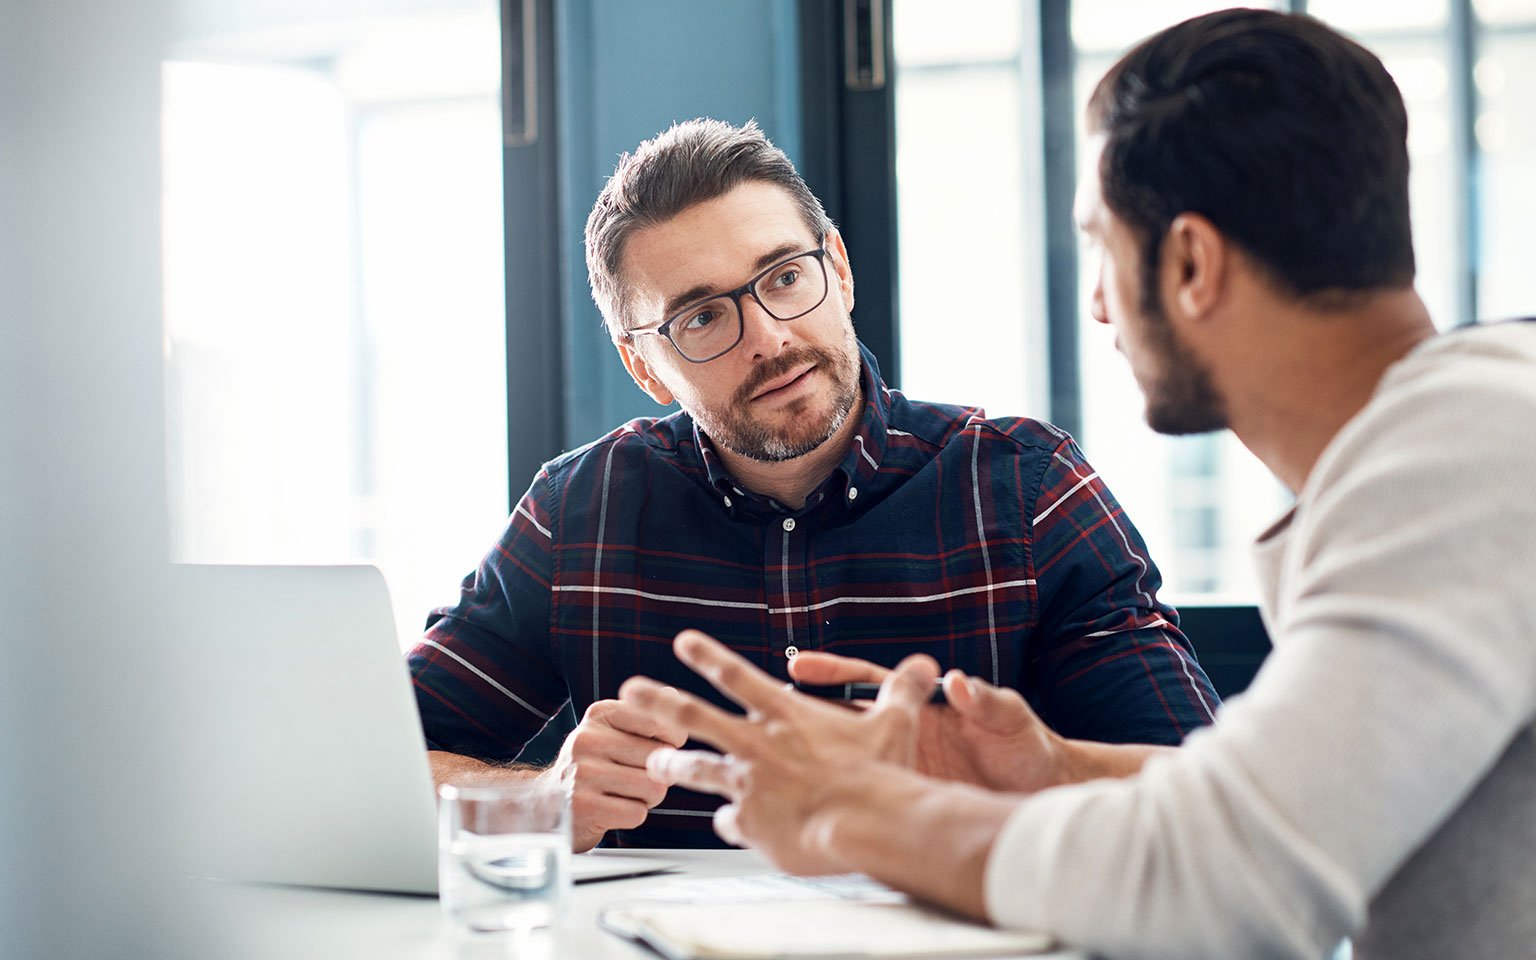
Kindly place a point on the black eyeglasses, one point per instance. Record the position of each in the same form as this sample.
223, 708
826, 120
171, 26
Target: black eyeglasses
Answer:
711, 328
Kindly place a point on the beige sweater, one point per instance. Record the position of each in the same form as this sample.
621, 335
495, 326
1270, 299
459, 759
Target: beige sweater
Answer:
1378, 779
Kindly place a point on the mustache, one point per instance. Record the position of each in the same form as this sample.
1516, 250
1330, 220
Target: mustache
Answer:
777, 367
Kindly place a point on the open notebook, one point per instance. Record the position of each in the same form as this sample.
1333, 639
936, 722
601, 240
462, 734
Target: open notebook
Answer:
774, 916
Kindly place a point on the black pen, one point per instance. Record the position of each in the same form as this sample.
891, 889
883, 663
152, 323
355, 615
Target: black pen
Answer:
849, 692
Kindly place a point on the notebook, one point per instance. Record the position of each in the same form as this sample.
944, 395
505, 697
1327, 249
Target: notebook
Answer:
780, 916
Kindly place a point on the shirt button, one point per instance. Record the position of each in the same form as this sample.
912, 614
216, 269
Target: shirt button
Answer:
789, 524
791, 651
727, 501
853, 493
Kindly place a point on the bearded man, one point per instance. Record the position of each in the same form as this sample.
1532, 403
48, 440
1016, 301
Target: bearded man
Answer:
795, 503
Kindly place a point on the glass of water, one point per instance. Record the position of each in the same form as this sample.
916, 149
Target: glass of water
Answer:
504, 854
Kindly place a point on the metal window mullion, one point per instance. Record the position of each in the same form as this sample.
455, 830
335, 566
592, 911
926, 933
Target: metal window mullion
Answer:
1057, 69
1466, 167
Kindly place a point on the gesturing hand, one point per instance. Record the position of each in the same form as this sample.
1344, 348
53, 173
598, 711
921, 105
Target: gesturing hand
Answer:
793, 762
987, 736
610, 787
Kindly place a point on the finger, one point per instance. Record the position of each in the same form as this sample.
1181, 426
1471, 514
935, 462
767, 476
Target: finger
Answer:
910, 686
729, 672
702, 720
727, 825
596, 741
992, 708
603, 812
644, 723
696, 770
630, 783
825, 669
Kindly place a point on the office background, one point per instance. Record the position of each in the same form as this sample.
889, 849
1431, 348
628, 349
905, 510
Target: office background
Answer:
301, 282
377, 315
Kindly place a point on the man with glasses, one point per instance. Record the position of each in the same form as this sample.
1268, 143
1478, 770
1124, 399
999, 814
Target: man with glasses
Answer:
796, 503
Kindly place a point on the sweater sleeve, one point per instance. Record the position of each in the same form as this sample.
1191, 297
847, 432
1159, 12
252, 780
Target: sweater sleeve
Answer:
1402, 669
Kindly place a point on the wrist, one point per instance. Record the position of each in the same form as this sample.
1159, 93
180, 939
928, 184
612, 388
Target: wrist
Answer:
1084, 760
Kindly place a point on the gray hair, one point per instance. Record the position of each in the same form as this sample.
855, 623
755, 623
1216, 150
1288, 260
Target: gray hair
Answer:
692, 162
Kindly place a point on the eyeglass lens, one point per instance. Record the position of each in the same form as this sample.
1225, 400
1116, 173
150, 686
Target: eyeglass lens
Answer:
789, 290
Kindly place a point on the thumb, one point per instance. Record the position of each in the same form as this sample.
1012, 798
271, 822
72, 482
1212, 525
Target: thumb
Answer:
910, 685
994, 709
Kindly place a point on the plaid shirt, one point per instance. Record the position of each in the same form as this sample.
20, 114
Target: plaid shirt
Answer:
989, 544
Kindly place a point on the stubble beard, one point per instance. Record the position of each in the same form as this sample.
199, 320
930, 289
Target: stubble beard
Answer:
1181, 395
736, 429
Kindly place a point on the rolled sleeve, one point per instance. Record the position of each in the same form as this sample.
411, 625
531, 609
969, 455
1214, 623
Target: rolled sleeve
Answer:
1113, 665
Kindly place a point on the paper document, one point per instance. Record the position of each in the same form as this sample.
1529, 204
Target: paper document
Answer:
778, 916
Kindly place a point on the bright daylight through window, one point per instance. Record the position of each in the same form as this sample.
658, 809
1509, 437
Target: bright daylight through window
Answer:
335, 358
972, 177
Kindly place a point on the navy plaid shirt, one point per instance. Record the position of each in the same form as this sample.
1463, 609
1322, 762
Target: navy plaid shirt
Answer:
990, 544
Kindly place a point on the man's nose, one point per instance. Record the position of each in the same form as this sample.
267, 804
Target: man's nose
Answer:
764, 334
1096, 303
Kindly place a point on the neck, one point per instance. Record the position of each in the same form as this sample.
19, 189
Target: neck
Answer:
790, 482
1295, 389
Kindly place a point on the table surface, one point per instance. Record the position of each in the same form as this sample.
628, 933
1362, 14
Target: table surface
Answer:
295, 923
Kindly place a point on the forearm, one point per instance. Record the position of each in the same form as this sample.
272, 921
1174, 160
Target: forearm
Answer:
467, 771
932, 838
922, 836
1084, 760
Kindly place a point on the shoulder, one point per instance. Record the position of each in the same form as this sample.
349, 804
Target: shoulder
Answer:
640, 444
1467, 398
942, 425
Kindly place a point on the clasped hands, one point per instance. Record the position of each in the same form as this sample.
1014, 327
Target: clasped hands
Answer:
795, 769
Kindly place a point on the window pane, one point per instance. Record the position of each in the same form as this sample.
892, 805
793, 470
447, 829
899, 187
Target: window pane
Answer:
1114, 25
1364, 16
1506, 134
1506, 12
333, 291
961, 31
1420, 69
971, 262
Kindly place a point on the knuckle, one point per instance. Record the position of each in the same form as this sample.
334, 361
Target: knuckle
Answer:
599, 711
632, 816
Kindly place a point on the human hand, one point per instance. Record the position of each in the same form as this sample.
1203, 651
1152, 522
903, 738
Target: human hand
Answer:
604, 757
987, 736
794, 764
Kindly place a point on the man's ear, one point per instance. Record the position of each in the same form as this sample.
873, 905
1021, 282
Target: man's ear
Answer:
1196, 264
640, 371
842, 273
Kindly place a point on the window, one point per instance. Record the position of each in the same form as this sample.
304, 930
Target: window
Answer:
333, 297
967, 171
973, 174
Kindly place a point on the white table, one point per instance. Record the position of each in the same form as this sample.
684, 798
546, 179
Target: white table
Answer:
293, 923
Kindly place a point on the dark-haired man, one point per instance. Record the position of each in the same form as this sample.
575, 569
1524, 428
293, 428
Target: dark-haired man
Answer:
795, 504
1378, 780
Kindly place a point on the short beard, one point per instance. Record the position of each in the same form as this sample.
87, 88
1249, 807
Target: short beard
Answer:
735, 430
1184, 399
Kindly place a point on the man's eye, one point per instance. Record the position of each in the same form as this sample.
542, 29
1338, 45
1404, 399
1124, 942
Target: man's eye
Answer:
788, 278
700, 320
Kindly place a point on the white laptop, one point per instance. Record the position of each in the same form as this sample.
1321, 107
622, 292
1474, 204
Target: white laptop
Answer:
311, 767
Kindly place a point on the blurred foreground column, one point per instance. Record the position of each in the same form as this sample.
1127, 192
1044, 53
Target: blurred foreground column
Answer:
90, 706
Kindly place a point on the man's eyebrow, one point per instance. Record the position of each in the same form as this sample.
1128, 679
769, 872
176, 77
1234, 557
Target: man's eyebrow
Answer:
700, 291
